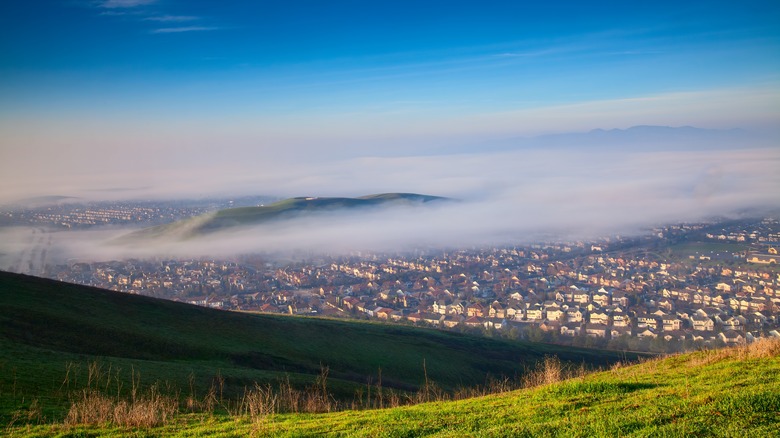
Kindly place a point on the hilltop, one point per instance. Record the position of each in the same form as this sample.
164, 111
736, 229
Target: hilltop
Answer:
51, 334
282, 210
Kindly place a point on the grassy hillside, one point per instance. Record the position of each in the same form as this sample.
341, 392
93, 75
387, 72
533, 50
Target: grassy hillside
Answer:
730, 392
52, 332
717, 393
288, 208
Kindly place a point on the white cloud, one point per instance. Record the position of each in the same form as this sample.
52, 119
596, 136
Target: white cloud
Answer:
171, 18
112, 4
184, 29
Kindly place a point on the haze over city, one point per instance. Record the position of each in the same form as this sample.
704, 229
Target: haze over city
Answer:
492, 104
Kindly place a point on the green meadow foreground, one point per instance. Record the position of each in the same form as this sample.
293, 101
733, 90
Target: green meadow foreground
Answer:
730, 392
78, 361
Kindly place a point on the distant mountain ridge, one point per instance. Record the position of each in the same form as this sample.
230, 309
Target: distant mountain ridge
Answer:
647, 133
282, 210
657, 137
41, 201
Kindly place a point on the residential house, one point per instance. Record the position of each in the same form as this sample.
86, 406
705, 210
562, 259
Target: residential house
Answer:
440, 307
620, 318
199, 301
572, 329
415, 317
269, 308
496, 323
702, 323
666, 304
433, 318
616, 332
734, 323
555, 313
451, 321
647, 332
458, 308
383, 312
675, 335
731, 337
647, 321
581, 297
671, 323
534, 313
757, 318
596, 330
601, 298
621, 298
599, 317
684, 295
475, 309
497, 310
474, 321
514, 312
574, 314
550, 326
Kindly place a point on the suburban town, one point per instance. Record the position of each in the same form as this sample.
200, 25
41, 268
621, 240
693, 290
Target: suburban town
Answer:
72, 213
674, 288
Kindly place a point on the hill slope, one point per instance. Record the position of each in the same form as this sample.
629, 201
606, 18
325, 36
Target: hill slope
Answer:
712, 393
282, 210
731, 392
46, 325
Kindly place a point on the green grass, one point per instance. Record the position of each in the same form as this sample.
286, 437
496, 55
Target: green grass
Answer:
696, 249
50, 329
710, 393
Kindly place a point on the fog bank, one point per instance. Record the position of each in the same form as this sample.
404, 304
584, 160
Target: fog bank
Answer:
504, 198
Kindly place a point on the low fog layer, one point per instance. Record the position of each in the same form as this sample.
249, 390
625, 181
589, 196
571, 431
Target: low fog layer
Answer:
505, 198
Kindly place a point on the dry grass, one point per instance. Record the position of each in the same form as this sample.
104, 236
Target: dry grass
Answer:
260, 402
102, 403
27, 415
95, 408
257, 403
763, 348
551, 371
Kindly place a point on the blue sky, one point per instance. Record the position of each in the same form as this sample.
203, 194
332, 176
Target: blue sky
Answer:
88, 84
209, 58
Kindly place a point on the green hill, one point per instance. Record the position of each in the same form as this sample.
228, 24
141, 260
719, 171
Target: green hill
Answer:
52, 334
282, 210
731, 392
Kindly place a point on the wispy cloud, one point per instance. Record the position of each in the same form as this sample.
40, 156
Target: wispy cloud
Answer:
172, 18
113, 13
112, 4
133, 8
529, 54
184, 29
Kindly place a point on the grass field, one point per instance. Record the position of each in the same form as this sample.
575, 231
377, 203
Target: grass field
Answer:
731, 392
53, 336
708, 248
